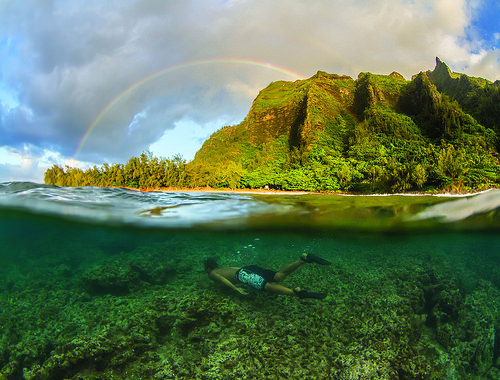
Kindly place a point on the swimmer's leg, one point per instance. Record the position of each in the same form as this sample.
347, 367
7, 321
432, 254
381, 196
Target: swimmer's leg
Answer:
286, 270
304, 258
297, 292
278, 289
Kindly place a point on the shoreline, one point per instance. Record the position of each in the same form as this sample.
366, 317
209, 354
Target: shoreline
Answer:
452, 193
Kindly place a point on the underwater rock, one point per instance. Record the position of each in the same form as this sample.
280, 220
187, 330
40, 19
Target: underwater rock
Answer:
450, 304
119, 278
92, 353
153, 271
479, 319
110, 279
466, 328
444, 335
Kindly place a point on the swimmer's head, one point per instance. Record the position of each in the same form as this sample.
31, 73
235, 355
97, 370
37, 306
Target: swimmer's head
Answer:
210, 264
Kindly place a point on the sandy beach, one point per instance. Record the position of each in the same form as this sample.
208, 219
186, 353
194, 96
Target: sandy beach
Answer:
286, 192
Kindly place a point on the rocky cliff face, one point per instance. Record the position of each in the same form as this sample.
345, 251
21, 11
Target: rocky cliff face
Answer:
298, 109
477, 96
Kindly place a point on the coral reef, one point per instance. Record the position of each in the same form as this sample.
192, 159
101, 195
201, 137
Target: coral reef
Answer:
393, 311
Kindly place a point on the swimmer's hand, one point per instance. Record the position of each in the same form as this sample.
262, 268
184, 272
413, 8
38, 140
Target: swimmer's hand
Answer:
242, 291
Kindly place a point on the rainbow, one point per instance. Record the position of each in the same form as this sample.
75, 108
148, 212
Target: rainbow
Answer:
168, 70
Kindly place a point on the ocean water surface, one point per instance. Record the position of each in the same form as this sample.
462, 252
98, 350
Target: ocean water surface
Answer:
102, 283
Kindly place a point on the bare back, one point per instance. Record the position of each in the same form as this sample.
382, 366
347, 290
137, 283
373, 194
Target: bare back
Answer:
228, 273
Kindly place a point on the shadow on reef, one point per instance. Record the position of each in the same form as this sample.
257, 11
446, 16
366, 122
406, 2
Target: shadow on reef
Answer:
119, 277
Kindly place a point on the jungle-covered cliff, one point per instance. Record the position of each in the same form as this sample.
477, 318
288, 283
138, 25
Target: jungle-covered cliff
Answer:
376, 133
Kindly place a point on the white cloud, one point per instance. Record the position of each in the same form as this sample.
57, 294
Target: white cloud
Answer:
30, 163
485, 63
67, 62
6, 157
168, 145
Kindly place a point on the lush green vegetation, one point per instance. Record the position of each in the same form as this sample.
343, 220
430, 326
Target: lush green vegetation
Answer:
379, 133
141, 172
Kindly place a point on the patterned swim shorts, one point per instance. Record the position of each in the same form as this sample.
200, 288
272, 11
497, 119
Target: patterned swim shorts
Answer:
255, 276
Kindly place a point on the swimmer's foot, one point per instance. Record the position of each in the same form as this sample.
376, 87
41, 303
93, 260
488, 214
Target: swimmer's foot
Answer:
310, 258
305, 294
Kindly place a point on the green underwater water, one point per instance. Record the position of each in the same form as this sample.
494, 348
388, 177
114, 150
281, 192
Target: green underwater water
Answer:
87, 300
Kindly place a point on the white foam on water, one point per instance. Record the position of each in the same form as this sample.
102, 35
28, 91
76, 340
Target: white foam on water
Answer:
462, 208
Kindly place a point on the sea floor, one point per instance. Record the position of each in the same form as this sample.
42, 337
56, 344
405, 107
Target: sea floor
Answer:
94, 304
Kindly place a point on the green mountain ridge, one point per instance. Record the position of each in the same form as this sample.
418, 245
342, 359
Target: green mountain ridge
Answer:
477, 96
376, 133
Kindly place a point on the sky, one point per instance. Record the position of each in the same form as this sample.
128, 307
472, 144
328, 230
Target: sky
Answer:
83, 82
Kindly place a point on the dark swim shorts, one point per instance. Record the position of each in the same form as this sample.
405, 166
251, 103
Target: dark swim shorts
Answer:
255, 276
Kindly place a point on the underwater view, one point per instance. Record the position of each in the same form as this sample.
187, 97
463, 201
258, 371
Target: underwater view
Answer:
109, 283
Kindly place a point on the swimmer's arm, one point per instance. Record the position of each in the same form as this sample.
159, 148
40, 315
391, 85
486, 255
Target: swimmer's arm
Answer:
217, 277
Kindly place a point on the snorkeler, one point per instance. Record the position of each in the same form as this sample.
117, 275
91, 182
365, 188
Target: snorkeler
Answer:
263, 279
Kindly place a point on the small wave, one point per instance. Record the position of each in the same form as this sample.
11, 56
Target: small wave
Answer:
118, 205
462, 208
